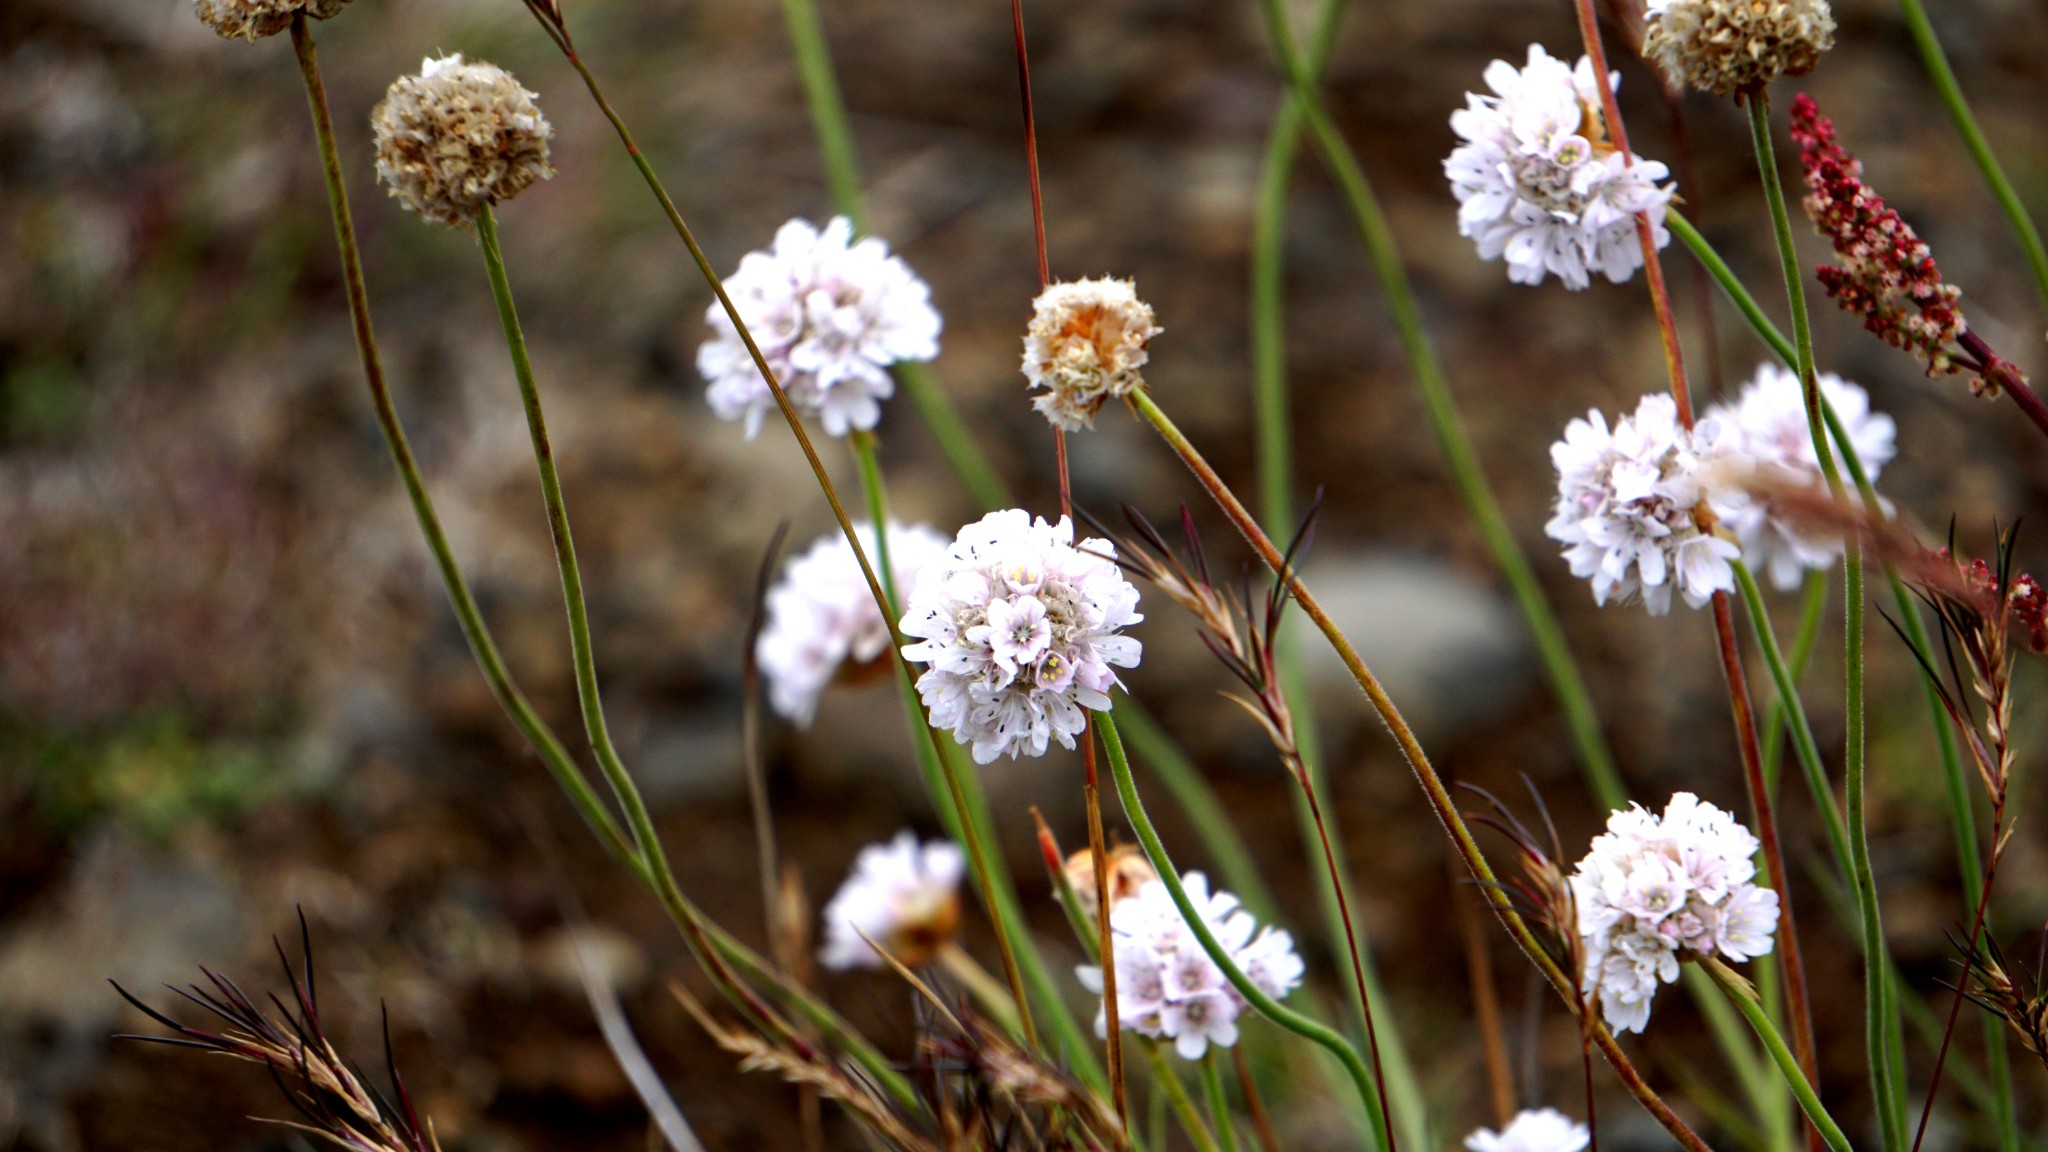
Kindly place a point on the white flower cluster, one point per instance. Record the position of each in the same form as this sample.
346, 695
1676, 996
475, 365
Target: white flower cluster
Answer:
903, 897
1533, 1130
1768, 421
1167, 987
1625, 501
1654, 890
1019, 630
1538, 183
830, 314
822, 614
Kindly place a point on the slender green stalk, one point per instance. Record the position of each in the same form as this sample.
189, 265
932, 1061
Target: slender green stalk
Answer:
1183, 781
1810, 612
1168, 1079
1805, 750
1887, 1079
467, 614
1262, 1003
1740, 995
1951, 94
1219, 1105
1448, 426
582, 654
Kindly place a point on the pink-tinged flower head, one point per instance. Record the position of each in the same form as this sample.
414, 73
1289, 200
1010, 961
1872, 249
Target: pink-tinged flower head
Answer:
1168, 987
1627, 500
830, 315
901, 897
822, 620
1537, 183
1019, 630
1767, 423
1655, 890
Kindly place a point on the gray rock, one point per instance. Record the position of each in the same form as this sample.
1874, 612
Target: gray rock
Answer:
1451, 652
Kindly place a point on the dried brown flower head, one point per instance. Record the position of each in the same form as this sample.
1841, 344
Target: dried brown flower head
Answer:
458, 136
251, 19
1128, 871
1730, 46
1086, 342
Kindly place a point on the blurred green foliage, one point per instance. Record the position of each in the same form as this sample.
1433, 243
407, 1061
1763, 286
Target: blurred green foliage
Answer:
152, 772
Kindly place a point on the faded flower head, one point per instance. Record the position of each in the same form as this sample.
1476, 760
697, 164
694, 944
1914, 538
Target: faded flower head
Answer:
902, 896
1167, 987
1730, 46
1539, 185
1767, 423
1532, 1130
822, 621
457, 137
1086, 343
252, 19
830, 314
1654, 890
1627, 499
1128, 871
1019, 630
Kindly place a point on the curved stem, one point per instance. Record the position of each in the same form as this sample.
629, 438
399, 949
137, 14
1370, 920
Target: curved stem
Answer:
1411, 749
1219, 1105
467, 614
1951, 93
1885, 1078
1265, 1005
1802, 1090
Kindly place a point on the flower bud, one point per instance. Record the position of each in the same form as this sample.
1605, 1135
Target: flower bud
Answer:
1086, 343
251, 19
457, 137
1730, 46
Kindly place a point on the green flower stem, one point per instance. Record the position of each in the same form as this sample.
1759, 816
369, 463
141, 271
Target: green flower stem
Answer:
1887, 1079
1168, 1079
1219, 1105
1183, 781
478, 634
1739, 994
1265, 1005
1805, 750
1444, 808
1951, 94
984, 485
585, 660
1452, 438
724, 950
1810, 612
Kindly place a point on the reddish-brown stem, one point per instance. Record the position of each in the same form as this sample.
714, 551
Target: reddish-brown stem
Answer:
1969, 958
2000, 371
1586, 1077
1372, 1036
1262, 1124
1113, 1044
1798, 1005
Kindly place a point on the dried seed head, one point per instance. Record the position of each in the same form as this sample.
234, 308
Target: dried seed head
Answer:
457, 137
1730, 46
251, 19
1128, 872
1086, 343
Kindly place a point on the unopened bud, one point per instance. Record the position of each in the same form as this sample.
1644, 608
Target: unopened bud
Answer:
1128, 872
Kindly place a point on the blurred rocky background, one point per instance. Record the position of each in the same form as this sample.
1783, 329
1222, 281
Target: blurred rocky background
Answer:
230, 685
